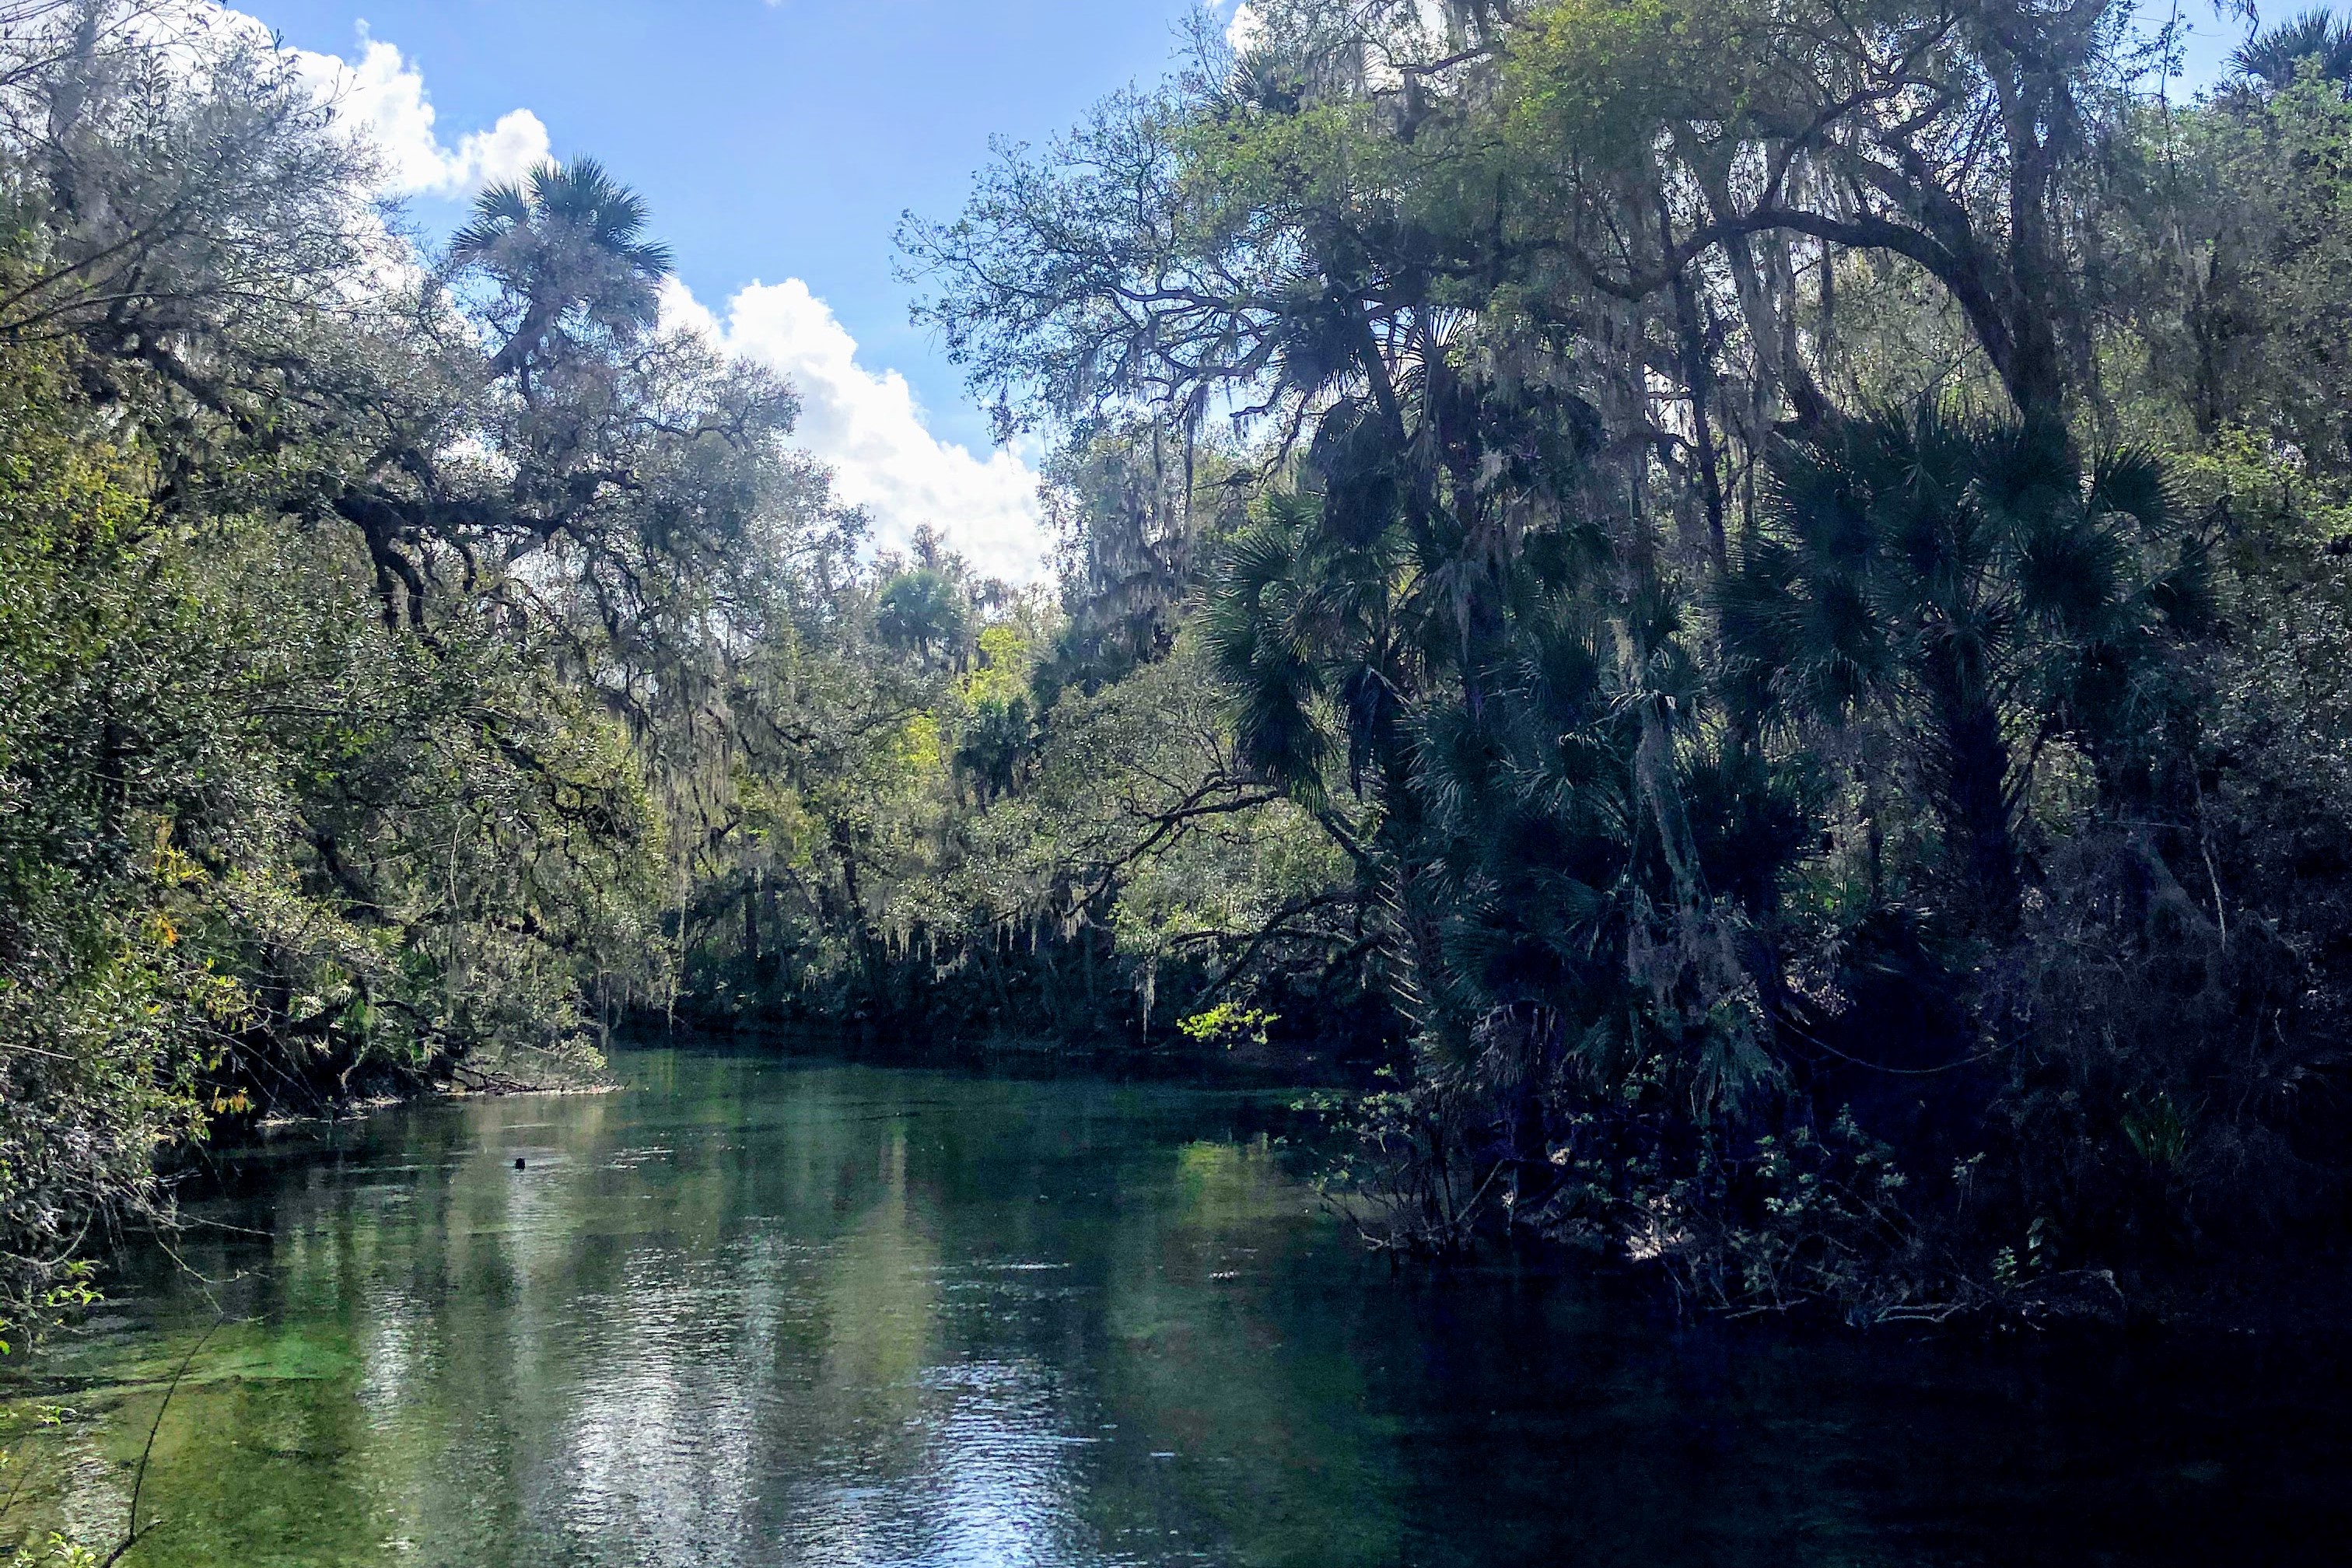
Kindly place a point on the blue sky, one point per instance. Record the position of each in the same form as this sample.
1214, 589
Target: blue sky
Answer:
773, 140
778, 142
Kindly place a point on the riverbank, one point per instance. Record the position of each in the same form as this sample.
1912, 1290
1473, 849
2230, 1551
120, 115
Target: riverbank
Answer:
2297, 1293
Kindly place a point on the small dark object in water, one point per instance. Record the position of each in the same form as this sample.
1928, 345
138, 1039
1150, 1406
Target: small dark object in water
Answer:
518, 1162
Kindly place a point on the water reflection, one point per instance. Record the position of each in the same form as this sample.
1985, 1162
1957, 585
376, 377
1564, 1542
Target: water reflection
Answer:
758, 1314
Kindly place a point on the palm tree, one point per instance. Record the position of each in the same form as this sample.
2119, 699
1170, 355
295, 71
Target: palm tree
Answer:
2274, 57
565, 246
1963, 581
924, 611
1303, 621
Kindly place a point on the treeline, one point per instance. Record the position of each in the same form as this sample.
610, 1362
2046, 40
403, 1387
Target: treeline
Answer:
380, 626
1751, 604
1768, 585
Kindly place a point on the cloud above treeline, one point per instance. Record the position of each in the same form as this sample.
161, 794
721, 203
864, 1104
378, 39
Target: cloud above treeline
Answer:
868, 424
865, 422
382, 95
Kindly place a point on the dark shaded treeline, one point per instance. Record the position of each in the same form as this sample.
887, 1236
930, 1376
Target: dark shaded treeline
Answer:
1786, 564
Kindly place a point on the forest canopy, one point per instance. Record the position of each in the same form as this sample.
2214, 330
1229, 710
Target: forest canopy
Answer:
1738, 615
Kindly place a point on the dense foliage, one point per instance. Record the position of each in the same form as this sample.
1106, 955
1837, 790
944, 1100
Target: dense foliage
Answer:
363, 622
1788, 553
1749, 604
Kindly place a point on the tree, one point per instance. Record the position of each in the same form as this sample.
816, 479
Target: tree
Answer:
1130, 508
1671, 580
567, 252
923, 610
2277, 55
368, 699
1963, 582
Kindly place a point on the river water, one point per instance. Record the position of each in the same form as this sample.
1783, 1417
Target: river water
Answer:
759, 1311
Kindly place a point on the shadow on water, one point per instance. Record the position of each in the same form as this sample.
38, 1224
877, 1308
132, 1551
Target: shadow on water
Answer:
762, 1311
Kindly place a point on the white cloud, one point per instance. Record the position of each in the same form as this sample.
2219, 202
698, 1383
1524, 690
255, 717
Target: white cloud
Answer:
868, 426
1396, 35
381, 97
1246, 29
384, 97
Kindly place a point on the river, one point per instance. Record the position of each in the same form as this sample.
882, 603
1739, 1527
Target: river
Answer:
753, 1310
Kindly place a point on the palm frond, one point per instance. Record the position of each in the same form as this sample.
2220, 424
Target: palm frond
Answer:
2128, 483
2275, 56
498, 211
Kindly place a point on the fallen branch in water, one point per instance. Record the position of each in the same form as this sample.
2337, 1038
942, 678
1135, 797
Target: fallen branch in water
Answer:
138, 1482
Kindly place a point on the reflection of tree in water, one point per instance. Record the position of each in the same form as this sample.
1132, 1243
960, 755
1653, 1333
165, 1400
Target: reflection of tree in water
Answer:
1273, 1455
936, 1447
815, 1317
707, 1326
765, 1315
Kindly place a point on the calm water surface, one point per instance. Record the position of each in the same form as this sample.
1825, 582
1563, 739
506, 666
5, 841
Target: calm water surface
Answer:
754, 1311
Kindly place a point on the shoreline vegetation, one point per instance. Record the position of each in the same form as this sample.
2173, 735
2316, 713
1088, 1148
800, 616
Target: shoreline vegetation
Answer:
1733, 622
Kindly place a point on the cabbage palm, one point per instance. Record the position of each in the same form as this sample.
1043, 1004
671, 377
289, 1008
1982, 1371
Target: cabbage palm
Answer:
565, 246
1967, 583
1304, 627
2273, 57
924, 611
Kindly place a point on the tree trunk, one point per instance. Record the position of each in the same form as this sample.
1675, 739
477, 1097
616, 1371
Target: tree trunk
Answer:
1979, 846
751, 887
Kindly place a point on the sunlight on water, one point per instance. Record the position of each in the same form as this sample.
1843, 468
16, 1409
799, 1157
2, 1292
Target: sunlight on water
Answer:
752, 1312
